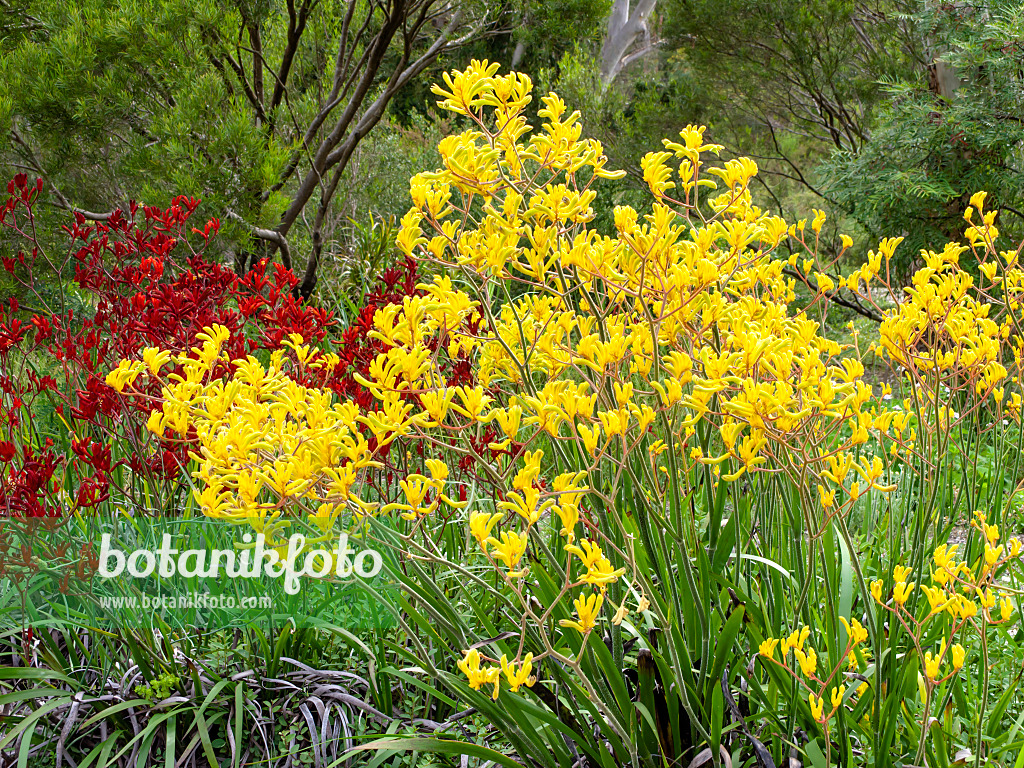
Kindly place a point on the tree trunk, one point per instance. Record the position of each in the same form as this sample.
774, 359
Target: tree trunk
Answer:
624, 26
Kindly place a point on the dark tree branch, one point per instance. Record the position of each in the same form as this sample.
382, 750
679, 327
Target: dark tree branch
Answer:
367, 75
270, 235
378, 49
296, 27
256, 42
239, 70
838, 298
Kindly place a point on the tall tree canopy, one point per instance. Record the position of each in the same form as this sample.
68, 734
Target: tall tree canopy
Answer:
954, 129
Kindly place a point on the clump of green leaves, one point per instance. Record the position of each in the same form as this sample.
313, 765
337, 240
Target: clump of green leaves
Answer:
158, 688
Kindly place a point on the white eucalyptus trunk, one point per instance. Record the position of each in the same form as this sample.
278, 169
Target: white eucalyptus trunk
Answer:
625, 24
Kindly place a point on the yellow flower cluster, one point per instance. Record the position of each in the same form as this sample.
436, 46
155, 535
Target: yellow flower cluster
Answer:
676, 317
807, 662
266, 445
961, 596
932, 662
942, 328
950, 333
479, 676
673, 315
958, 590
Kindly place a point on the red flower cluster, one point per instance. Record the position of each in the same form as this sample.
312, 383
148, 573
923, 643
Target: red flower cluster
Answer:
145, 285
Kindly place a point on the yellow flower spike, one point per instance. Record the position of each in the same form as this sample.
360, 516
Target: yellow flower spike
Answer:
657, 448
623, 393
900, 573
828, 499
645, 416
987, 598
526, 505
876, 590
525, 477
992, 555
474, 402
587, 611
250, 485
958, 655
901, 592
796, 639
510, 550
945, 556
213, 338
325, 516
989, 270
804, 634
508, 419
480, 525
855, 632
931, 666
614, 422
1015, 547
1005, 608
817, 707
819, 220
214, 500
155, 359
825, 283
860, 633
808, 661
124, 375
438, 471
469, 663
470, 667
836, 697
965, 608
767, 648
991, 532
936, 598
599, 568
520, 677
466, 90
693, 143
656, 173
590, 438
155, 423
